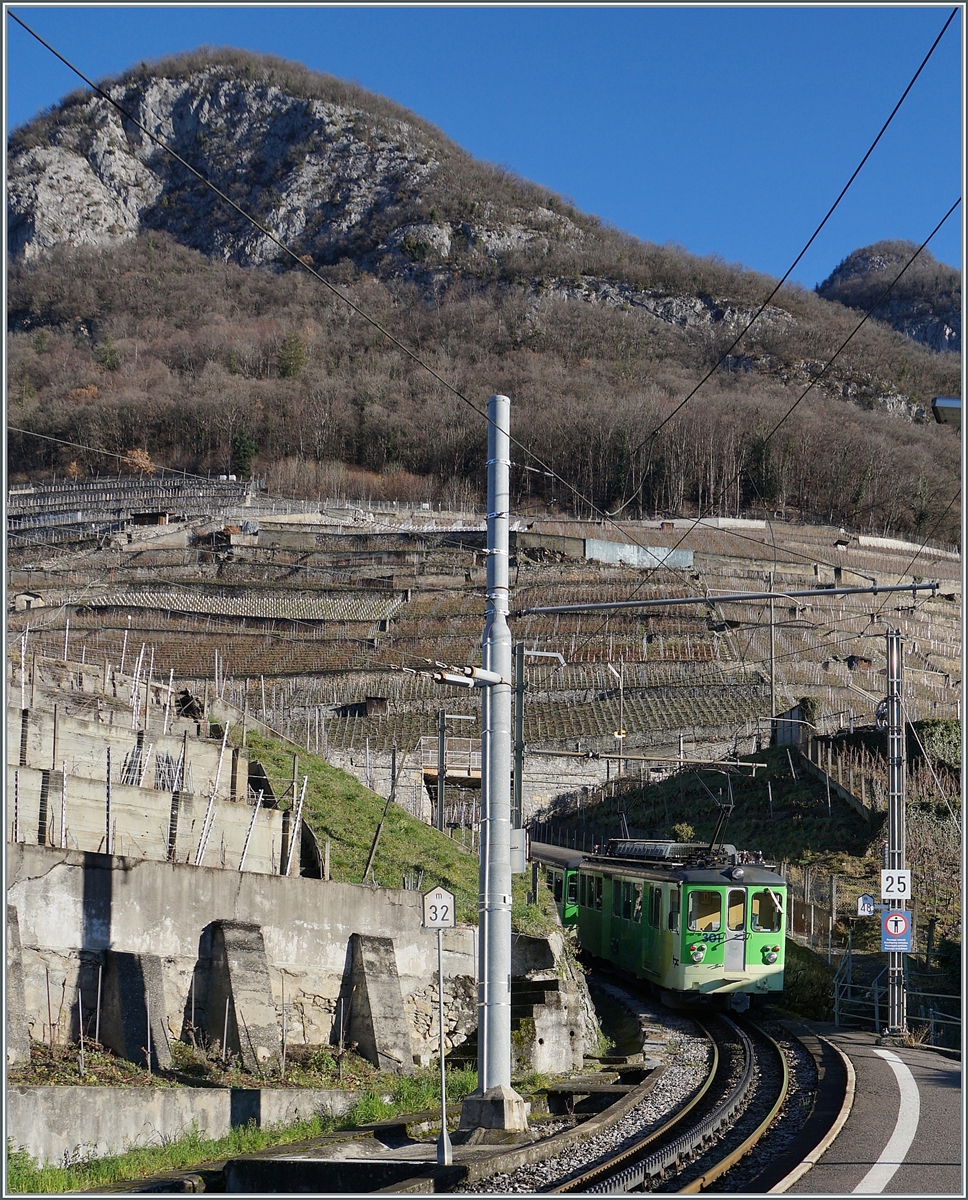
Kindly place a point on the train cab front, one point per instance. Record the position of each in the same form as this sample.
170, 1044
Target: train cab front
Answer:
732, 935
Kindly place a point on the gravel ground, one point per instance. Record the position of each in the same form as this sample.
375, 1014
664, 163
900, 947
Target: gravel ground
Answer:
687, 1057
800, 1094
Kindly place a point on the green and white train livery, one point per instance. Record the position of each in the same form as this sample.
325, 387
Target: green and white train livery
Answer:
698, 924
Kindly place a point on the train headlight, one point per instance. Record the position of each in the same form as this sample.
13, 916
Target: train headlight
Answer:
771, 953
697, 952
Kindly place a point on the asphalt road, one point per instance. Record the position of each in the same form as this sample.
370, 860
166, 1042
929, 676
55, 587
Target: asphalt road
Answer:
905, 1132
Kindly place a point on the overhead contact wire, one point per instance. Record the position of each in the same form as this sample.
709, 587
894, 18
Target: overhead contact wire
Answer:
435, 374
759, 312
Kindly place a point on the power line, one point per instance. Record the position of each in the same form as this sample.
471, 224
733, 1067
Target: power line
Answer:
440, 379
737, 476
759, 312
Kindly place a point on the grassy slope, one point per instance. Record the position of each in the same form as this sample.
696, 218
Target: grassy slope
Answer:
342, 811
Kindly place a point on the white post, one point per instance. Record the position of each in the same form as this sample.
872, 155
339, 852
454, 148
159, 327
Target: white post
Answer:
294, 827
248, 836
171, 680
445, 1152
63, 811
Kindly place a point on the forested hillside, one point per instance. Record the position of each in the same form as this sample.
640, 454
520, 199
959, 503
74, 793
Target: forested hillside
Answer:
143, 314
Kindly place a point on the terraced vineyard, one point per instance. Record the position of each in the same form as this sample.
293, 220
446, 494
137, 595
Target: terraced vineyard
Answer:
304, 637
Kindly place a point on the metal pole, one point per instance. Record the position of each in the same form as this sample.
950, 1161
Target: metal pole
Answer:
445, 1153
441, 765
772, 660
517, 806
622, 767
108, 849
896, 849
494, 1063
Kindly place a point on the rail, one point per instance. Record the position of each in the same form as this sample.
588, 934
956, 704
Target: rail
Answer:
866, 1002
630, 1170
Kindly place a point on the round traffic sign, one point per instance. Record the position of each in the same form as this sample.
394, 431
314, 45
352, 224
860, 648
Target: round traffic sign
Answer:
897, 924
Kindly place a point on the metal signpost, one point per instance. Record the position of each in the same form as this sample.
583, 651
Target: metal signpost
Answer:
438, 913
895, 877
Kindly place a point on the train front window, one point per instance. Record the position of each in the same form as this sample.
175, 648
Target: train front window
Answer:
736, 910
582, 891
705, 912
766, 912
557, 887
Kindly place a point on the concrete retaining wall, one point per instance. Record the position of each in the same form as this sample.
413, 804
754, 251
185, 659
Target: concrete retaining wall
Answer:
637, 556
73, 907
60, 1125
144, 823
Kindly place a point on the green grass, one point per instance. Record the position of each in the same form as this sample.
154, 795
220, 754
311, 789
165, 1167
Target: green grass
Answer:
343, 812
384, 1098
808, 984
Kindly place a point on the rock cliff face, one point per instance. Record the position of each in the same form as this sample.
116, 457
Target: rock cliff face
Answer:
925, 304
332, 180
339, 175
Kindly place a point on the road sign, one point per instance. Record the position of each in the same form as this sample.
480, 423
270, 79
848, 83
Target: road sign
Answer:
895, 885
438, 909
865, 905
895, 931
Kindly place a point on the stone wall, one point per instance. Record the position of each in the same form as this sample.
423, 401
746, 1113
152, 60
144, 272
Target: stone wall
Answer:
73, 907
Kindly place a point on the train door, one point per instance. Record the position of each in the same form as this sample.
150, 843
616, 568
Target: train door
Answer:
734, 951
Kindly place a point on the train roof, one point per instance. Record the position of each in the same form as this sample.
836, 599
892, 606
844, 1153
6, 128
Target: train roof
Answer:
558, 856
719, 874
675, 858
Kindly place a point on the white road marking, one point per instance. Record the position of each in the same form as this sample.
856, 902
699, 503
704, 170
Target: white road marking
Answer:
909, 1112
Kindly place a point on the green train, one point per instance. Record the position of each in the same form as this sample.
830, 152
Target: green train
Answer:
698, 924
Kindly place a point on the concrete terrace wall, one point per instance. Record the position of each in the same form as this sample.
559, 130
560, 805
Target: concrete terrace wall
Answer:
63, 1124
72, 907
145, 822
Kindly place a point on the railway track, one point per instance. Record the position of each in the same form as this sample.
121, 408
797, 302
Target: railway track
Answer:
684, 1144
741, 1058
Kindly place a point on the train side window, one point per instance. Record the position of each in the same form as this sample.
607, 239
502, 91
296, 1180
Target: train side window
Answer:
637, 908
736, 910
598, 892
616, 897
766, 912
674, 912
627, 889
705, 912
655, 908
582, 890
572, 894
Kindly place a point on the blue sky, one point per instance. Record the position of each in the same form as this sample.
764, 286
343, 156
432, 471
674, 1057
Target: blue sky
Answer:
727, 130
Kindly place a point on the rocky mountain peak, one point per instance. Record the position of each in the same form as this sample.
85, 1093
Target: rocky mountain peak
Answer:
330, 170
925, 304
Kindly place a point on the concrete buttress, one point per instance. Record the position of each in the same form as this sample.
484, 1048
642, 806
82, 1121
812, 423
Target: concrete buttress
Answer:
377, 1021
133, 986
18, 1037
240, 976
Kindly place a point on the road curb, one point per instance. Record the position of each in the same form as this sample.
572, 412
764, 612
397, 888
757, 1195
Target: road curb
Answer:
830, 1136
